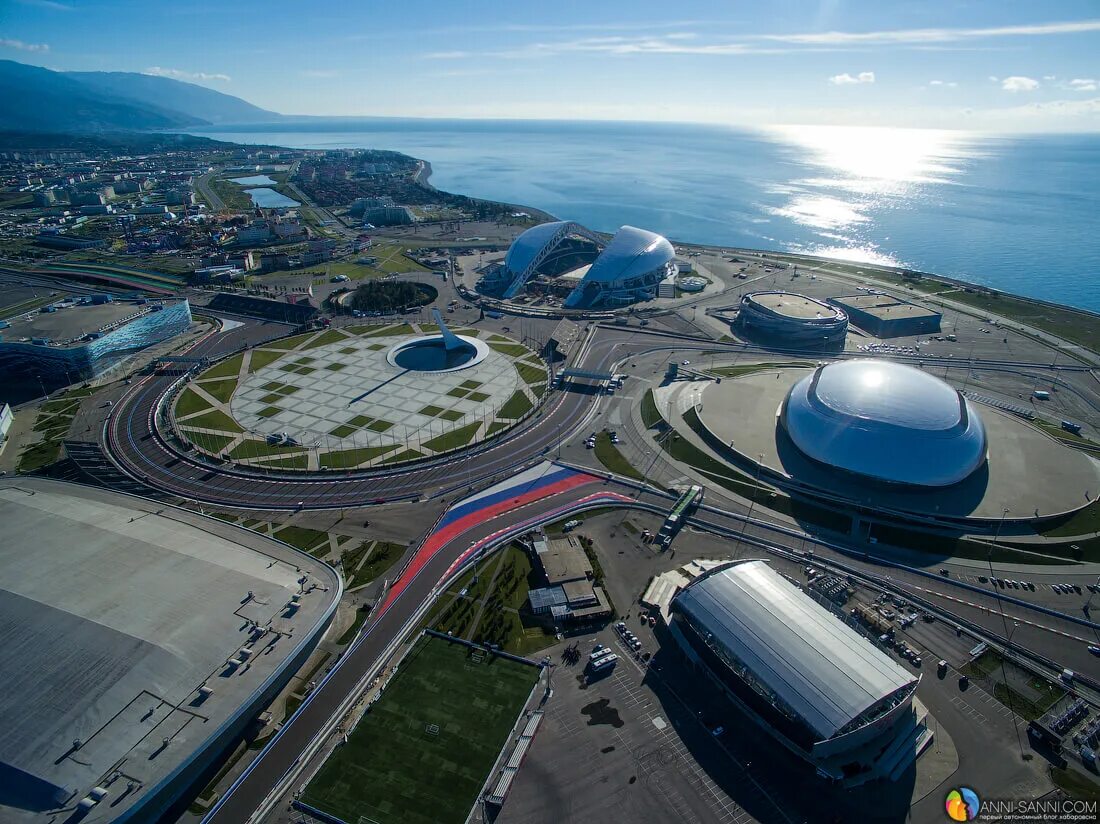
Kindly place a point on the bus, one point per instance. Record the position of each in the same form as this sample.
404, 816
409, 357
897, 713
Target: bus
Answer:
604, 663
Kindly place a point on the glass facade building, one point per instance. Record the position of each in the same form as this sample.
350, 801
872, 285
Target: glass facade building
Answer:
97, 353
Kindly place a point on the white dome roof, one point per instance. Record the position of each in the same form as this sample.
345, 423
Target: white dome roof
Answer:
886, 421
631, 253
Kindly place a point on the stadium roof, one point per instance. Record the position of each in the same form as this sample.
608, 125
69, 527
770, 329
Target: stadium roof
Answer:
631, 253
823, 670
526, 247
886, 421
114, 612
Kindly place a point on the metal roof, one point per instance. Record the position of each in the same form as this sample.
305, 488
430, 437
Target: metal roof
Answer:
887, 421
526, 247
631, 253
823, 670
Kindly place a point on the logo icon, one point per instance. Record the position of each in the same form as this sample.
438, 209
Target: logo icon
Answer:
962, 804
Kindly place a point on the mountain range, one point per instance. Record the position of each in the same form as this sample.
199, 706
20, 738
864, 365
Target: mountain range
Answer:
33, 99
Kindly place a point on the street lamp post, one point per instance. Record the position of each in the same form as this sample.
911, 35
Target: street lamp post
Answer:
1008, 633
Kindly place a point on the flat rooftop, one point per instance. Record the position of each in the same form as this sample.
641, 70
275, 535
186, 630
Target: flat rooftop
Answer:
795, 306
114, 611
885, 307
564, 560
69, 324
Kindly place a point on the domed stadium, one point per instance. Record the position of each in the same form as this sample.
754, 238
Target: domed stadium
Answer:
607, 274
885, 421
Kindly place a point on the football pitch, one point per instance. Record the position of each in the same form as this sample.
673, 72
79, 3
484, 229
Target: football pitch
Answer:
423, 752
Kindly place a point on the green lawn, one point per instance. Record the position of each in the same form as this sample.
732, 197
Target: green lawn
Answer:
1069, 324
403, 455
360, 616
214, 419
228, 368
423, 751
609, 455
39, 455
453, 439
262, 358
531, 374
650, 416
514, 349
288, 343
301, 537
190, 402
516, 406
262, 449
1024, 707
295, 462
331, 336
209, 442
380, 331
348, 458
220, 389
382, 557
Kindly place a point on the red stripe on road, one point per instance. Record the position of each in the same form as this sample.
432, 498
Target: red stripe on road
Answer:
437, 540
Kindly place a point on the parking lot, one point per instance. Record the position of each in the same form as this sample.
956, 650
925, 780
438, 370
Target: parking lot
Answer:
624, 747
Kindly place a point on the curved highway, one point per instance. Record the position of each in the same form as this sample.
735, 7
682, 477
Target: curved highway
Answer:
137, 447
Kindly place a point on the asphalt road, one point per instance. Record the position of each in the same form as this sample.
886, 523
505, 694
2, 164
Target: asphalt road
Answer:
274, 762
140, 451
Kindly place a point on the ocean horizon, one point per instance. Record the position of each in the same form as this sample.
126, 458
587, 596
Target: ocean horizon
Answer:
1014, 212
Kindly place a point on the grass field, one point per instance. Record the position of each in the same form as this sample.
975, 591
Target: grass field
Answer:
424, 750
650, 416
610, 456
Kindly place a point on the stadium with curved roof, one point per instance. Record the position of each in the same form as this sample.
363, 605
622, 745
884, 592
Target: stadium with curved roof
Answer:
619, 272
817, 685
791, 319
885, 421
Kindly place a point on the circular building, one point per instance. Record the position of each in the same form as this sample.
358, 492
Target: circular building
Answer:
885, 421
627, 271
792, 318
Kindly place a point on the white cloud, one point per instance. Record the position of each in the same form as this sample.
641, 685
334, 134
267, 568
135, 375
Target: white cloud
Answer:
1050, 77
179, 74
1084, 84
8, 43
950, 84
670, 43
847, 79
1016, 83
932, 35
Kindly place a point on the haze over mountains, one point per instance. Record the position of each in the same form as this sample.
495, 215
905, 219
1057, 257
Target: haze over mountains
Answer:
39, 100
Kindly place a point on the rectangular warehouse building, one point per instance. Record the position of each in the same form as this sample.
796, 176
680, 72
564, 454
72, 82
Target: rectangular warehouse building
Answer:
886, 316
814, 683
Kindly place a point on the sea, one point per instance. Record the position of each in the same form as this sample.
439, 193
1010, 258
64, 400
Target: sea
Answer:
1017, 213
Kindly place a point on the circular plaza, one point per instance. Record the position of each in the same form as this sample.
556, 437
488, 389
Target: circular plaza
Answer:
359, 397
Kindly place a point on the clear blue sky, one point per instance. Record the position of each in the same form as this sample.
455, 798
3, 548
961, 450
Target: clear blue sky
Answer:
982, 65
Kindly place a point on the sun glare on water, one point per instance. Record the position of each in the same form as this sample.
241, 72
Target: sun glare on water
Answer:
854, 173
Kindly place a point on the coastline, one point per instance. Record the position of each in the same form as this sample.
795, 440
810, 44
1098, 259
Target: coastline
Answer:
423, 175
878, 273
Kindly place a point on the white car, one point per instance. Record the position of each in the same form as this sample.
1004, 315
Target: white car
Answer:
685, 363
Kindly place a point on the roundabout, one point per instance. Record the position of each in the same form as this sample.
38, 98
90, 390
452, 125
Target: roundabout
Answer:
358, 397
